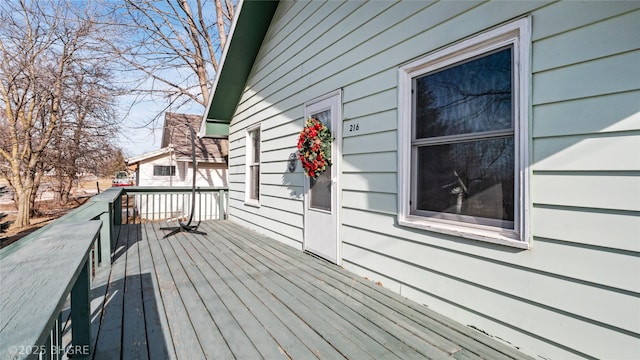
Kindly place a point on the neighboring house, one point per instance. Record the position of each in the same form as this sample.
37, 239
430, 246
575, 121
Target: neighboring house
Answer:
486, 156
172, 166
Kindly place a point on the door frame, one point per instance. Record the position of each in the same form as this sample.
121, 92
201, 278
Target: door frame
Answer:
336, 159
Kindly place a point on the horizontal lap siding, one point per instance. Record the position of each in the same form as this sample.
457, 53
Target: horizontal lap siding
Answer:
442, 287
603, 114
275, 97
585, 154
575, 293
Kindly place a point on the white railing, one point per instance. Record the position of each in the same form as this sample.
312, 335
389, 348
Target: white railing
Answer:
148, 204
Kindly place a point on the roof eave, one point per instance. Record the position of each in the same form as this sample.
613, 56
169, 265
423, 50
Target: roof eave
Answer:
248, 29
147, 155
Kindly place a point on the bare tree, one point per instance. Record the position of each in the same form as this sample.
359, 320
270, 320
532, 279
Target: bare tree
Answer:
85, 135
43, 46
112, 163
4, 225
172, 45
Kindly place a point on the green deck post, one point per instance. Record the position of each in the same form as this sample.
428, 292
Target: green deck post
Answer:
46, 352
94, 254
105, 240
81, 314
56, 341
117, 211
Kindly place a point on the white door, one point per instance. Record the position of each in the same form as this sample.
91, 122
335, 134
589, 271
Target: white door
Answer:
321, 200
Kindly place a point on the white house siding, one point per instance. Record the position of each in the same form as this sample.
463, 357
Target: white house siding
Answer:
575, 293
154, 206
146, 177
208, 174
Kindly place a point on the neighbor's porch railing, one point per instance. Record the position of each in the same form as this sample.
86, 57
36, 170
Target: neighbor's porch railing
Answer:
84, 244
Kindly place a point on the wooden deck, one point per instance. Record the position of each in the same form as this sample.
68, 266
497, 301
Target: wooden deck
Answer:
236, 294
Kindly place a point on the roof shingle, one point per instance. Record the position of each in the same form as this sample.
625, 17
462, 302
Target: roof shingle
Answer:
176, 132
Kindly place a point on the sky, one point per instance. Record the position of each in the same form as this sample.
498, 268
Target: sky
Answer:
138, 133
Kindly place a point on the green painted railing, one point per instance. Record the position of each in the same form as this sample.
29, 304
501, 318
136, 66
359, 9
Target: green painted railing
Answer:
104, 206
37, 278
39, 272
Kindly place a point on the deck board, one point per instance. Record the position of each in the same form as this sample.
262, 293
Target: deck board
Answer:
236, 294
350, 330
304, 307
109, 336
183, 335
267, 332
228, 334
134, 337
430, 326
231, 329
161, 345
388, 334
230, 267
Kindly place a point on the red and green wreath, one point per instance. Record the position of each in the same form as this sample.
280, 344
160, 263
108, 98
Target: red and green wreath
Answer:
314, 148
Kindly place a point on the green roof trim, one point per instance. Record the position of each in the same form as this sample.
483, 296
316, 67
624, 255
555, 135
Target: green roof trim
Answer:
251, 26
217, 129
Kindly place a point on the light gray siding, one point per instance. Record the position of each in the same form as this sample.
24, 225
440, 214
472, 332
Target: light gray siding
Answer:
576, 292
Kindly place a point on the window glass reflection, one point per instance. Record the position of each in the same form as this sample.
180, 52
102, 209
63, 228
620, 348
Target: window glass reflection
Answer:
474, 96
473, 178
320, 188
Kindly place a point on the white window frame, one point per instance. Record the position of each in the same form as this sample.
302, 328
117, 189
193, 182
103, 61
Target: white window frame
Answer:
517, 34
171, 168
249, 162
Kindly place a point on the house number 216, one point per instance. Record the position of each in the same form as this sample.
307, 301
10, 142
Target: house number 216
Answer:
354, 127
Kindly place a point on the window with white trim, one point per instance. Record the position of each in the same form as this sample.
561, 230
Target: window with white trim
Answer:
463, 138
164, 170
253, 165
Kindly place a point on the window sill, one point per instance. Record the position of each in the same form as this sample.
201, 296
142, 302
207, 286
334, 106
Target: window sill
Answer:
505, 237
252, 203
